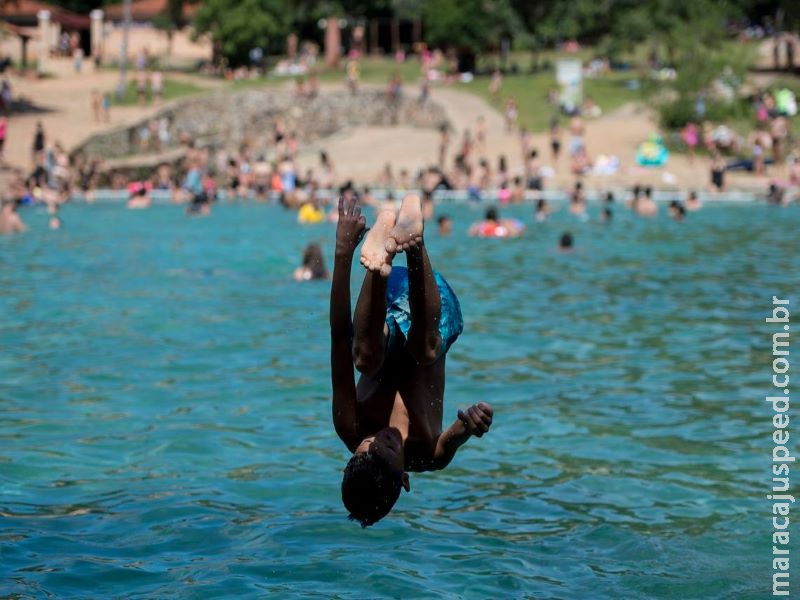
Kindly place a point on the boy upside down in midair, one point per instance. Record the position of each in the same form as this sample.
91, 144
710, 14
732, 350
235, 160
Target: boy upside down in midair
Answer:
404, 323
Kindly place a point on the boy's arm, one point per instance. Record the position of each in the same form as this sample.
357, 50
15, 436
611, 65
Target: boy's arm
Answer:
349, 231
475, 421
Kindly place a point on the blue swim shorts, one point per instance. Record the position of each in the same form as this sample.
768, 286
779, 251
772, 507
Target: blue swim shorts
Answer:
398, 310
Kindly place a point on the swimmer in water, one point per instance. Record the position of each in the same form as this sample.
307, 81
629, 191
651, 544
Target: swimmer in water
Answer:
693, 203
445, 225
566, 242
405, 321
313, 267
494, 226
542, 210
676, 210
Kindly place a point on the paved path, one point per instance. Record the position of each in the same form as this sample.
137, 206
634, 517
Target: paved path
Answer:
67, 104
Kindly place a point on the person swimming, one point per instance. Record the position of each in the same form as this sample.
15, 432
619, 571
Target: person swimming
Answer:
445, 225
405, 321
542, 210
139, 195
313, 267
311, 212
693, 203
566, 242
493, 226
676, 210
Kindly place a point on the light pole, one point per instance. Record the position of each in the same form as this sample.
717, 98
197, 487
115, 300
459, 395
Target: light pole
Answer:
123, 49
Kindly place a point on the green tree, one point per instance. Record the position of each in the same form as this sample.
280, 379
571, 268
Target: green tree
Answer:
171, 21
554, 20
238, 26
469, 26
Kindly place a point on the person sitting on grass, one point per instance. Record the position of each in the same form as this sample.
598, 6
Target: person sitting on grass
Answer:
405, 321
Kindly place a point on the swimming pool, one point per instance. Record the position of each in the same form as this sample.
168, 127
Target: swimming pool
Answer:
165, 420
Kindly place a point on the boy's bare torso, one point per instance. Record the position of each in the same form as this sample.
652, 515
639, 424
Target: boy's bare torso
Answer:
419, 388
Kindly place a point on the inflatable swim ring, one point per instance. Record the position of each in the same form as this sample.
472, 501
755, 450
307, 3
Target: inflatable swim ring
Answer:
309, 214
652, 153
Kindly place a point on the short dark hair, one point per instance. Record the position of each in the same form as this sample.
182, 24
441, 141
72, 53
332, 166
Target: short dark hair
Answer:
491, 214
370, 487
566, 240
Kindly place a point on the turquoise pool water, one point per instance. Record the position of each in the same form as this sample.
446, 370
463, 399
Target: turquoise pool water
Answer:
165, 424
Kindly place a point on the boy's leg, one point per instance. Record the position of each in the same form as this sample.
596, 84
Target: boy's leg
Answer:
424, 340
369, 324
369, 321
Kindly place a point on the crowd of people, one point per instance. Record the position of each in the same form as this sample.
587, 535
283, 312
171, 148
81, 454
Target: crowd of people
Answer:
206, 177
461, 163
768, 144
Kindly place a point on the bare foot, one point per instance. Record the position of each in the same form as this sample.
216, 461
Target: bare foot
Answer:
374, 255
407, 233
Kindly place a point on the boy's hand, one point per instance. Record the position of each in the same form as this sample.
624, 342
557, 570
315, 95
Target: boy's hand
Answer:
351, 226
477, 418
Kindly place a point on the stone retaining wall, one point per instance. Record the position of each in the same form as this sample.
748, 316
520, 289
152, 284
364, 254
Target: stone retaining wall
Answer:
227, 120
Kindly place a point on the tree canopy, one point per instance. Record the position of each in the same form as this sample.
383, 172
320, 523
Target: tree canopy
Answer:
475, 26
239, 26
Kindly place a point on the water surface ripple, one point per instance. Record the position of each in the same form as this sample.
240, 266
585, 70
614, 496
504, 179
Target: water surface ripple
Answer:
165, 422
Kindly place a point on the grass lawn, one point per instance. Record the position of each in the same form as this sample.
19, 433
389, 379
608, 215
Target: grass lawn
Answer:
530, 91
373, 71
172, 89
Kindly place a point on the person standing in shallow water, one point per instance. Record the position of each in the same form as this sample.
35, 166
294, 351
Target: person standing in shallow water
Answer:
10, 221
405, 321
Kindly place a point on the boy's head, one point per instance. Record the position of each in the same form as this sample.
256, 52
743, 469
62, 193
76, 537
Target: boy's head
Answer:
374, 476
